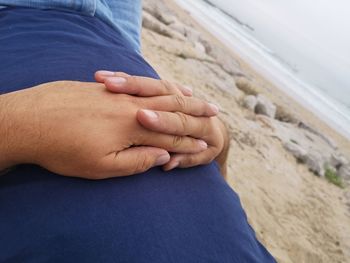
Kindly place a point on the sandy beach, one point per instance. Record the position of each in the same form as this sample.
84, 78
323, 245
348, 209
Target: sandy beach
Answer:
298, 216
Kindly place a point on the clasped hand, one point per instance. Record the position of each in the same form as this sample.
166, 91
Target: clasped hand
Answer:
122, 127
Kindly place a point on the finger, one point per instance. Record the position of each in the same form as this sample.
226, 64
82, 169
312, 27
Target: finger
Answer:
143, 86
172, 143
174, 123
185, 90
102, 75
177, 103
133, 160
191, 160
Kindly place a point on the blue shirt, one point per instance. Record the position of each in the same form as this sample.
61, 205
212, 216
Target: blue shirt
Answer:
124, 15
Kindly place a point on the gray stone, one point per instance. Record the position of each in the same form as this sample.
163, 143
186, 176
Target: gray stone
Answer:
250, 102
325, 138
265, 107
167, 18
337, 160
315, 162
199, 47
179, 27
189, 33
207, 45
296, 150
151, 23
312, 159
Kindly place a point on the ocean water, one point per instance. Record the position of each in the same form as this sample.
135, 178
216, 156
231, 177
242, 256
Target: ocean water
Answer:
302, 46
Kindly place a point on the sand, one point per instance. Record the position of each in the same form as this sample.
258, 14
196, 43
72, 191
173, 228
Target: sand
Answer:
298, 216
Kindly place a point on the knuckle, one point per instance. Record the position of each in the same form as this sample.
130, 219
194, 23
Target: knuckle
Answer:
183, 121
208, 127
190, 160
167, 86
180, 101
132, 81
205, 107
177, 88
177, 141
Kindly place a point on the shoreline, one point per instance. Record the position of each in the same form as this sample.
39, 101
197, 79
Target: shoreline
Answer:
271, 79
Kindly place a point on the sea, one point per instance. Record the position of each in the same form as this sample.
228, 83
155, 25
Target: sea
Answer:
302, 46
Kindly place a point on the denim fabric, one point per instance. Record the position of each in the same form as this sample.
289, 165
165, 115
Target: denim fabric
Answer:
122, 14
186, 215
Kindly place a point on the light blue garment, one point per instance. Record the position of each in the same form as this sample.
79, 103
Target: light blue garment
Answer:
125, 15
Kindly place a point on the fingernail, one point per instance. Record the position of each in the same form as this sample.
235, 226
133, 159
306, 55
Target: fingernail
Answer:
214, 108
106, 73
151, 115
163, 159
203, 144
173, 165
117, 81
188, 89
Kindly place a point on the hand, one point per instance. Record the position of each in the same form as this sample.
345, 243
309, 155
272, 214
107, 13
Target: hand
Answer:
81, 129
211, 130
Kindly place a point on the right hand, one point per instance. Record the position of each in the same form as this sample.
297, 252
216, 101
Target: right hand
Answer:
81, 129
211, 130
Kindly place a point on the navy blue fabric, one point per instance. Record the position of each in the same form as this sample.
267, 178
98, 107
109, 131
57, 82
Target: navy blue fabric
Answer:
187, 215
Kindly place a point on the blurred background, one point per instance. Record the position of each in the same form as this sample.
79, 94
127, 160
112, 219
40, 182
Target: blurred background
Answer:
302, 45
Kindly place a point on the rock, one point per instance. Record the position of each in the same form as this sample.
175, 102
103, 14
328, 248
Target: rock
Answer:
167, 18
224, 60
314, 162
284, 114
179, 27
250, 102
199, 47
328, 140
191, 34
337, 160
265, 107
160, 11
207, 45
296, 150
312, 159
155, 25
344, 172
156, 8
246, 86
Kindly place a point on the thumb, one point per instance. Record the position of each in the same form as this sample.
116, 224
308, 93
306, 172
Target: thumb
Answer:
134, 160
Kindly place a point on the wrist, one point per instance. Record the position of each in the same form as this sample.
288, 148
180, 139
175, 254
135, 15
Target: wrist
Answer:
5, 140
12, 138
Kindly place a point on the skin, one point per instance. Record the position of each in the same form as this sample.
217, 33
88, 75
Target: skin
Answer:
70, 128
208, 128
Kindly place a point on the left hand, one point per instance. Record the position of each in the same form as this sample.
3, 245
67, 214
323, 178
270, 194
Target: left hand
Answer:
209, 129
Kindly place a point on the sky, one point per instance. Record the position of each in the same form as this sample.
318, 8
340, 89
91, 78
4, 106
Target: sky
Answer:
312, 35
